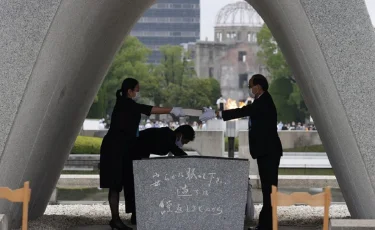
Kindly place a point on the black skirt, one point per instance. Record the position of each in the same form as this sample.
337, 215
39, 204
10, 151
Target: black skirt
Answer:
115, 153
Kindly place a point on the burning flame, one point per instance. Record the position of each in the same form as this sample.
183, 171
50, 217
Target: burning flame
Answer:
232, 104
241, 104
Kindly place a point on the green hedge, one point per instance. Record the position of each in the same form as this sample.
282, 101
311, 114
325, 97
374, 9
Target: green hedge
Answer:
87, 145
91, 145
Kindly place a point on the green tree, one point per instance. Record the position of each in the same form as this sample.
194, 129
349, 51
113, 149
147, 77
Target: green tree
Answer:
194, 93
153, 88
177, 78
215, 90
175, 65
130, 61
296, 99
286, 93
171, 83
168, 77
281, 89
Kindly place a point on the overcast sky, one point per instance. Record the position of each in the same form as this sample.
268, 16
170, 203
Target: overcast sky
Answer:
209, 11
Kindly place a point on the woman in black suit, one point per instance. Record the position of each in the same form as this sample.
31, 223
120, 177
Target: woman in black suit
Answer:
116, 171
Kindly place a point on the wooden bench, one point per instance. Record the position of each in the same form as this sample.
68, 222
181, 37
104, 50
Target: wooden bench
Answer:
282, 199
19, 195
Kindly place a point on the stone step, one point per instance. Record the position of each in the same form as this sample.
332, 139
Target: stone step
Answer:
351, 224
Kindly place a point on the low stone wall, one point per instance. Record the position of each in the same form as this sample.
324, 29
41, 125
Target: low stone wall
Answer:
208, 143
351, 224
289, 139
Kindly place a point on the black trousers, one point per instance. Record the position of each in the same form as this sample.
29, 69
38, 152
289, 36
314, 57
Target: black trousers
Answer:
268, 167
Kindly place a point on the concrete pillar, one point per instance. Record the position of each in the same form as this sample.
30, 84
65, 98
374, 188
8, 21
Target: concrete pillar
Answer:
54, 55
330, 47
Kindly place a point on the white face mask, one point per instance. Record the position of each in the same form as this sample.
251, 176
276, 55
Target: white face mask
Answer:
179, 142
251, 94
137, 96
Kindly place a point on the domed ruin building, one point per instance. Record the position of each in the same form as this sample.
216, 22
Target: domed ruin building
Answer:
232, 57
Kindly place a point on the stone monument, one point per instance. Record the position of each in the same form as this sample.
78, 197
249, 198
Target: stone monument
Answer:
191, 193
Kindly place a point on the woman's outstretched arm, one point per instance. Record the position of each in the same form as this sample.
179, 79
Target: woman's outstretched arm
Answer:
160, 110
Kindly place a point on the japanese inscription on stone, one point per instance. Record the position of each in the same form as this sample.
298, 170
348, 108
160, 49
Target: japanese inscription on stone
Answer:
190, 193
186, 189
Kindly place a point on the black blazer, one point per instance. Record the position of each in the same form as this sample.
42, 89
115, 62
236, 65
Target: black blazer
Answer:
126, 116
158, 141
263, 137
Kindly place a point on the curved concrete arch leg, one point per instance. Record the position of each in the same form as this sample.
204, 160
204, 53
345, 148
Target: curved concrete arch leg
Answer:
330, 47
54, 55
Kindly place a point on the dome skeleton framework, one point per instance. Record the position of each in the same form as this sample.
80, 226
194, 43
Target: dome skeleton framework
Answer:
239, 14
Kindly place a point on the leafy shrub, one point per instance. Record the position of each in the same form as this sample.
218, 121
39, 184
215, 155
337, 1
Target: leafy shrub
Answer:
87, 145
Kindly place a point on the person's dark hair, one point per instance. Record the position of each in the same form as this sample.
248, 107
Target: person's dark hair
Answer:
128, 83
259, 79
187, 132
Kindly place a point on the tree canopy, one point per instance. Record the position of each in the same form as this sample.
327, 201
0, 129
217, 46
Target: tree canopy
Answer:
171, 83
285, 92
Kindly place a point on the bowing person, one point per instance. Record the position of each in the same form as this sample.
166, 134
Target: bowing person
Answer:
116, 169
264, 142
161, 141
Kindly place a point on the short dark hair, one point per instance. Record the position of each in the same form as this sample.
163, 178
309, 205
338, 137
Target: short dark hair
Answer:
259, 79
187, 132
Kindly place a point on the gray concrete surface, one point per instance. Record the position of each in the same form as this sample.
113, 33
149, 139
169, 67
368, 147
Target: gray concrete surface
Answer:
106, 227
4, 225
54, 55
351, 224
62, 217
330, 48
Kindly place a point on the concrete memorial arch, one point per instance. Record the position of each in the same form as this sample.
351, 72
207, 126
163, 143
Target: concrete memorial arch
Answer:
55, 53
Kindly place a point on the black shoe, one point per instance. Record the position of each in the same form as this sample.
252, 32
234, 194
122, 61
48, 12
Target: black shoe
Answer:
133, 219
118, 225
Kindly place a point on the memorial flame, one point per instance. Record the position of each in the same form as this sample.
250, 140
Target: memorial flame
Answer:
232, 104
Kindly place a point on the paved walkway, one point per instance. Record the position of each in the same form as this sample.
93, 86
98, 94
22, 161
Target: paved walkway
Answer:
106, 227
68, 217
